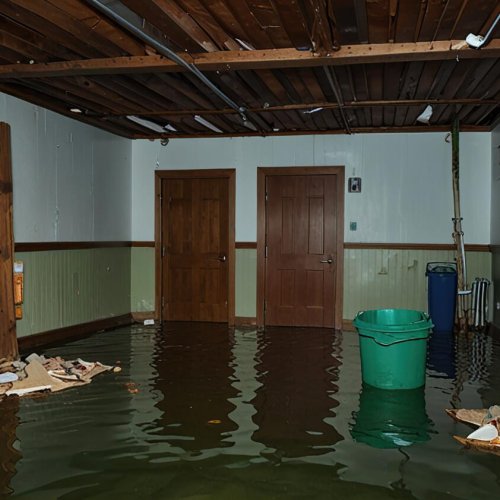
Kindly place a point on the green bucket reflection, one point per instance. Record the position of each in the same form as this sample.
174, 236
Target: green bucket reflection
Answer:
391, 419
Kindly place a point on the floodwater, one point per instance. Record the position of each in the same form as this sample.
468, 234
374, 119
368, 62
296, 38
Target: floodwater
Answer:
241, 414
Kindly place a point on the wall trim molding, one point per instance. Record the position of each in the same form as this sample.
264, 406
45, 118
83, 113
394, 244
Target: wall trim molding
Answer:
347, 325
414, 246
45, 246
245, 321
72, 332
140, 316
85, 245
495, 248
142, 244
246, 244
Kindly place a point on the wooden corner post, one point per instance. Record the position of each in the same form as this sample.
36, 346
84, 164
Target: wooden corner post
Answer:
8, 337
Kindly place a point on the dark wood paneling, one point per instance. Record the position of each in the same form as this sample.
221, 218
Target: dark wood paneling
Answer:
246, 244
143, 244
69, 245
415, 246
72, 332
8, 341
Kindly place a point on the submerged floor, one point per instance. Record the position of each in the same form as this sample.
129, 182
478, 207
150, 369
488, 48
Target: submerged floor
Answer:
200, 411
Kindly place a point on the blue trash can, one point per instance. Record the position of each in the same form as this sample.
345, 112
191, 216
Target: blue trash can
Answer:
442, 294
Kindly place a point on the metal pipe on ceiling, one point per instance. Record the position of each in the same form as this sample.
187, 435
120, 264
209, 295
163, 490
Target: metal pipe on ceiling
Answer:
332, 80
173, 56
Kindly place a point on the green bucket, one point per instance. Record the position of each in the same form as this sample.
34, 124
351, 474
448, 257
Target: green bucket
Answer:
393, 347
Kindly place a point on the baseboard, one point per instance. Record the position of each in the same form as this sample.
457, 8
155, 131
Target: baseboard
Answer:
245, 321
140, 316
72, 332
347, 325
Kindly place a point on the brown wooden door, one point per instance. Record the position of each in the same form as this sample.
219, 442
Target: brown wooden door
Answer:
195, 237
301, 240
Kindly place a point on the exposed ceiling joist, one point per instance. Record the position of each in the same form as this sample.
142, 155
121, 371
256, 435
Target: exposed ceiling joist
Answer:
256, 59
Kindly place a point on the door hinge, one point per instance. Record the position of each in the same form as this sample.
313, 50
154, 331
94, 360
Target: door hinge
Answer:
163, 251
265, 252
163, 302
267, 196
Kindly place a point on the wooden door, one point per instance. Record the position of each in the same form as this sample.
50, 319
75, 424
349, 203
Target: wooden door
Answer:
195, 239
301, 250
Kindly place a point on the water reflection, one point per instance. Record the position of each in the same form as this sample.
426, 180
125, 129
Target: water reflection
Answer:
391, 419
195, 374
298, 369
9, 455
441, 353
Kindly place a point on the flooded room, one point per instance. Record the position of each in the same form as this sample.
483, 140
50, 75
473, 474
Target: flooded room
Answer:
249, 249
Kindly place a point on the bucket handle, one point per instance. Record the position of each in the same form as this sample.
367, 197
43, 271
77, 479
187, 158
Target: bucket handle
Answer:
392, 343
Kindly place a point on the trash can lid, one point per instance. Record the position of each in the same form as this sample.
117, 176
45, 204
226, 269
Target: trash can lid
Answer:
441, 267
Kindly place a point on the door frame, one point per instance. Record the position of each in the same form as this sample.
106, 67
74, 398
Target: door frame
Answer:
230, 175
262, 174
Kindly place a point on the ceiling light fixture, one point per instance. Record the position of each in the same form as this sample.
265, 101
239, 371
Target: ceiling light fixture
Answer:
477, 41
245, 45
170, 127
426, 114
311, 111
150, 125
207, 124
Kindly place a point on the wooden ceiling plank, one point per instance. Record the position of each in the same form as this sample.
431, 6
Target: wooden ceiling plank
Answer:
178, 83
474, 17
239, 60
47, 29
354, 105
237, 87
323, 26
377, 12
174, 36
393, 75
176, 99
52, 14
79, 10
375, 76
209, 24
430, 22
256, 35
448, 19
461, 73
130, 91
458, 17
269, 20
90, 91
29, 52
253, 78
408, 89
350, 16
70, 98
187, 23
31, 37
294, 23
478, 76
408, 14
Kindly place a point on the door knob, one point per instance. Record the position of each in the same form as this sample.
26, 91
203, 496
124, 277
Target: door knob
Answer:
328, 261
221, 258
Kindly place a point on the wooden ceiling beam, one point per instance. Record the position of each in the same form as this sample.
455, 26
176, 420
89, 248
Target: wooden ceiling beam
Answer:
325, 106
256, 59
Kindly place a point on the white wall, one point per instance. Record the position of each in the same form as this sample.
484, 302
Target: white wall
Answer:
71, 181
495, 186
406, 180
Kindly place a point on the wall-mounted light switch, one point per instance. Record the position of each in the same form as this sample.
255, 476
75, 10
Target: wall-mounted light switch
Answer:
353, 226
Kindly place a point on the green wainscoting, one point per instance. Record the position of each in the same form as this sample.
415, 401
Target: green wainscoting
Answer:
382, 278
143, 279
373, 278
69, 287
246, 283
